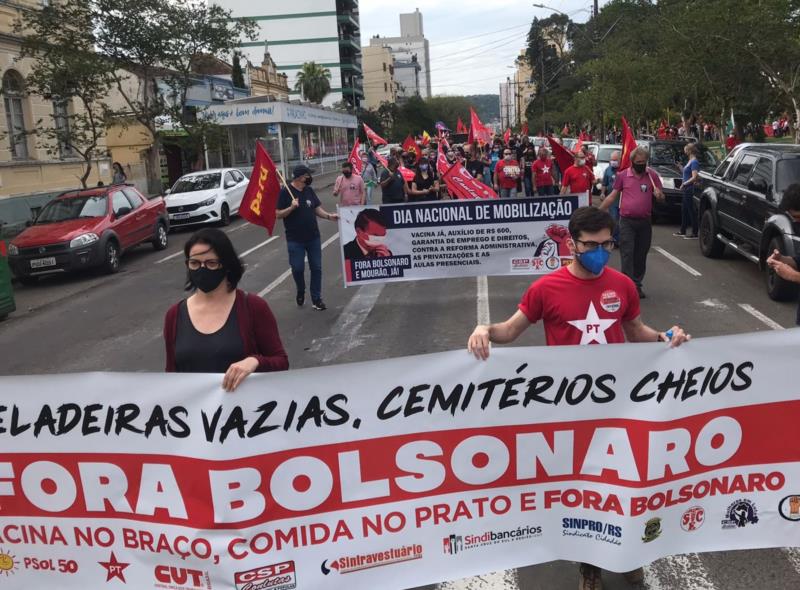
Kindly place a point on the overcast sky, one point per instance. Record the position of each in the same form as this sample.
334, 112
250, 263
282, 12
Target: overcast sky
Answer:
472, 41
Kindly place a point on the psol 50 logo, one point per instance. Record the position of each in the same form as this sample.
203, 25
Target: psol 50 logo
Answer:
365, 561
277, 576
8, 563
181, 578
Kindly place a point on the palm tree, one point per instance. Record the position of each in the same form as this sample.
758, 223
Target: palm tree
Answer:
313, 82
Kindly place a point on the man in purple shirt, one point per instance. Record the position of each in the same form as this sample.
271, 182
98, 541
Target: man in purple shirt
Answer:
637, 186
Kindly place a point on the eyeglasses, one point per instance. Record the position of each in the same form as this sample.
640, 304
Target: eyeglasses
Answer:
210, 264
607, 245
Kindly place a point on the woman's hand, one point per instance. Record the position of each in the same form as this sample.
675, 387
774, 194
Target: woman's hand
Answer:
237, 373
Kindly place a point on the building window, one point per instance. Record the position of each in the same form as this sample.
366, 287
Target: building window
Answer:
61, 124
13, 95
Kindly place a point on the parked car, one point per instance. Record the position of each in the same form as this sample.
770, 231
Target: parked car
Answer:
667, 159
739, 207
210, 196
88, 228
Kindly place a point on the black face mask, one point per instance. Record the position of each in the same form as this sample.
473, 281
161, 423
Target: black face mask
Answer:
639, 168
347, 174
207, 280
309, 180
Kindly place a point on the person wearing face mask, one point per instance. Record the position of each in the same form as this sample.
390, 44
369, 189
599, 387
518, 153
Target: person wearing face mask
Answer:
636, 187
370, 240
602, 308
349, 187
299, 206
369, 175
219, 328
542, 169
578, 178
393, 185
607, 185
506, 174
526, 163
424, 187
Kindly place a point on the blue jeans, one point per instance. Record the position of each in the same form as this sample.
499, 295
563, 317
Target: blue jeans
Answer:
688, 214
528, 186
297, 260
613, 210
369, 194
508, 193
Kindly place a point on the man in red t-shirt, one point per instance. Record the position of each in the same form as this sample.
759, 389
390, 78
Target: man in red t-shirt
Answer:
543, 174
578, 178
506, 174
601, 306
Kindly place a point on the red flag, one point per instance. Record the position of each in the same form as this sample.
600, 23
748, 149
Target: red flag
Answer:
478, 130
373, 137
628, 145
461, 184
564, 159
460, 127
381, 159
442, 165
261, 198
507, 136
426, 138
525, 130
410, 146
407, 174
578, 147
355, 158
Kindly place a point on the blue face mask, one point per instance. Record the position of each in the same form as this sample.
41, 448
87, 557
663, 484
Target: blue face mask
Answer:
594, 261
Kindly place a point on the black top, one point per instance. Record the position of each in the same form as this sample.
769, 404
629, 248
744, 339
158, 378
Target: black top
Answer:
393, 192
423, 184
527, 171
196, 352
301, 224
475, 167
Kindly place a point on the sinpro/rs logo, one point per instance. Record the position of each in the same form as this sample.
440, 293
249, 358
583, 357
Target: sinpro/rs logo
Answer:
365, 561
278, 576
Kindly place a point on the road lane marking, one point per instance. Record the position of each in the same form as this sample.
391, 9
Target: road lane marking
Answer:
483, 300
714, 304
242, 225
285, 275
679, 262
170, 257
350, 321
507, 580
261, 245
686, 570
769, 322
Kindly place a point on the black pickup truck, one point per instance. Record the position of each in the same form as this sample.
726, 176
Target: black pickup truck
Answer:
739, 207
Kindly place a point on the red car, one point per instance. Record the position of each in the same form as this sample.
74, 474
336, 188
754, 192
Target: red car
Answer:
88, 228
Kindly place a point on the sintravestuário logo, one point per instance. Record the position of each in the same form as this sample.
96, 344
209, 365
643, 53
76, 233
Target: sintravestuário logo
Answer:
739, 514
364, 561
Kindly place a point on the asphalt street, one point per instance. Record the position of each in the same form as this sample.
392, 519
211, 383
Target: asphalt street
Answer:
94, 322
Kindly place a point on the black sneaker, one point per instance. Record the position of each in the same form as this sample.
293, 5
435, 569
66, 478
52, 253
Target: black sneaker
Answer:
301, 299
319, 305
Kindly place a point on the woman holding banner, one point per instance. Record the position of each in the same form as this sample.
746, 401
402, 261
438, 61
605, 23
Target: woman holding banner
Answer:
219, 328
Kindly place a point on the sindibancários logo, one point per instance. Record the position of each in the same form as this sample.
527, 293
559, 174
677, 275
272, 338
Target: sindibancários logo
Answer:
455, 544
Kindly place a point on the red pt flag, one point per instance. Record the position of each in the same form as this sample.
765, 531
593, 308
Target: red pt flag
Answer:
355, 158
507, 136
460, 127
373, 137
261, 198
628, 145
462, 185
564, 159
479, 131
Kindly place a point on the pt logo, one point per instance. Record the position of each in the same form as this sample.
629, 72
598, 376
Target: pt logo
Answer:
114, 568
593, 329
453, 544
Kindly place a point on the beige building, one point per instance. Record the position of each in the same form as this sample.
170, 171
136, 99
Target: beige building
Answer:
265, 80
524, 86
379, 81
28, 164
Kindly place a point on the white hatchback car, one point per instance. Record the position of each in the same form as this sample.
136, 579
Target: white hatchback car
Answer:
210, 196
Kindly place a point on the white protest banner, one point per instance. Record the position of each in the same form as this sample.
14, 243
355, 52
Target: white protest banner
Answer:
461, 238
403, 472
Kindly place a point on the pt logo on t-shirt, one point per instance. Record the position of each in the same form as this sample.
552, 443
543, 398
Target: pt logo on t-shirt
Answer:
593, 329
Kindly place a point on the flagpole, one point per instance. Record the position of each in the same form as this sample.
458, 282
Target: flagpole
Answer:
285, 185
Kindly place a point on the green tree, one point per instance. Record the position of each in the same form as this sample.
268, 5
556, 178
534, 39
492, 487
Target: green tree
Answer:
67, 70
449, 109
313, 82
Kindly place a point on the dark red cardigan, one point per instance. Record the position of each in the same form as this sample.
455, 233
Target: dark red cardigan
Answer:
257, 326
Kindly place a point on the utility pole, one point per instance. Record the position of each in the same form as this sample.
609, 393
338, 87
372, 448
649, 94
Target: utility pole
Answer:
596, 8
